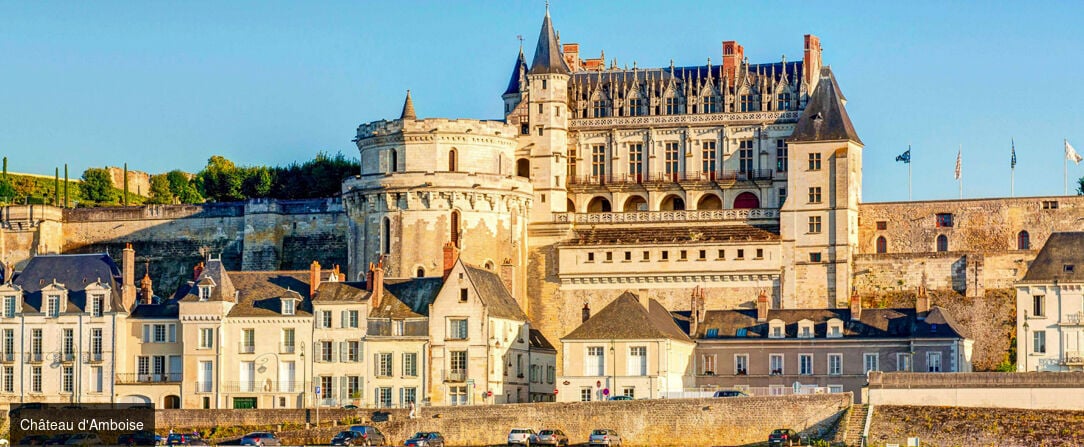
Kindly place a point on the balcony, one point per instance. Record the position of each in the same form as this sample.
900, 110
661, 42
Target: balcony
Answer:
7, 357
1073, 358
34, 357
720, 178
246, 348
285, 348
132, 378
1074, 319
264, 386
455, 375
66, 357
205, 387
93, 357
667, 216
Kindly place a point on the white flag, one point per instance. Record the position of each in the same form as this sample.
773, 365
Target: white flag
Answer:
1070, 153
959, 158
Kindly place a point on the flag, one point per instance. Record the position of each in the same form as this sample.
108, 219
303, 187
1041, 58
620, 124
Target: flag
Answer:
1070, 153
1013, 162
906, 156
959, 158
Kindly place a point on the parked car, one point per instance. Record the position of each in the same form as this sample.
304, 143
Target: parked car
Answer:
58, 439
425, 439
547, 436
260, 438
621, 398
139, 438
33, 440
346, 437
185, 439
350, 407
604, 436
84, 439
783, 436
369, 435
520, 436
731, 393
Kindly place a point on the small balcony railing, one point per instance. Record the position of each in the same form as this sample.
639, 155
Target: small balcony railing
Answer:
7, 357
93, 357
1073, 358
1075, 319
724, 175
34, 357
130, 378
264, 386
285, 348
66, 357
455, 375
246, 348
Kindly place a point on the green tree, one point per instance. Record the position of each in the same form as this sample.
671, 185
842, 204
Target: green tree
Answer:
160, 192
98, 186
257, 182
182, 186
221, 180
7, 190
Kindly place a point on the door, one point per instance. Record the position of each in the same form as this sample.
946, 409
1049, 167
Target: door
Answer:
287, 372
206, 377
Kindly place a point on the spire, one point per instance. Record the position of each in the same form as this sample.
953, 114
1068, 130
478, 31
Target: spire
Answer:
547, 55
825, 118
408, 108
515, 84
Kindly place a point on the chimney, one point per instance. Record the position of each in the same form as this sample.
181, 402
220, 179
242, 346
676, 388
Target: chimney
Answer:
314, 278
856, 305
922, 301
696, 314
128, 287
197, 270
762, 307
508, 273
451, 254
733, 54
572, 56
378, 284
811, 61
146, 287
586, 312
369, 278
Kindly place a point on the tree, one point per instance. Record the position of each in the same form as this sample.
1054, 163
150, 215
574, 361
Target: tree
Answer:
257, 182
221, 180
98, 186
7, 190
182, 187
160, 192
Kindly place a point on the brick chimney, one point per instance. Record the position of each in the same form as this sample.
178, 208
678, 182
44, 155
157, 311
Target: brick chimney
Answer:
586, 313
733, 54
128, 287
811, 60
696, 312
197, 270
572, 56
762, 307
146, 287
508, 276
314, 278
922, 301
856, 305
451, 254
377, 275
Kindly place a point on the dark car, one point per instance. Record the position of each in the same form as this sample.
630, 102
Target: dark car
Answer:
547, 436
347, 437
185, 439
783, 436
369, 435
60, 439
260, 438
139, 438
425, 439
730, 393
33, 440
621, 398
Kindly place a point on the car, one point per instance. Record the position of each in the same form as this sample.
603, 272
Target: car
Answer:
783, 436
369, 435
621, 398
552, 437
33, 440
520, 436
84, 439
346, 437
58, 439
185, 439
139, 438
604, 436
731, 393
425, 439
260, 438
350, 407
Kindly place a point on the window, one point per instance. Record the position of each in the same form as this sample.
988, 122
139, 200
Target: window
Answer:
805, 329
1038, 305
248, 341
385, 240
647, 256
457, 362
35, 379
453, 157
741, 364
815, 194
814, 224
204, 292
741, 254
903, 362
398, 328
629, 392
665, 255
353, 387
1050, 204
782, 196
35, 344
463, 294
933, 361
805, 364
410, 364
325, 318
353, 351
524, 128
776, 329
596, 361
760, 254
53, 306
748, 103
457, 329
543, 84
673, 107
9, 379
781, 150
609, 256
383, 364
637, 361
96, 344
457, 395
784, 102
325, 354
815, 257
775, 364
585, 394
590, 258
206, 338
68, 379
393, 160
882, 244
628, 256
636, 107
835, 327
636, 161
683, 255
9, 307
408, 395
598, 161
68, 344
815, 161
350, 318
703, 255
9, 345
598, 109
454, 229
709, 104
540, 131
882, 225
571, 161
1038, 342
96, 303
1023, 241
159, 333
942, 243
745, 156
383, 397
672, 159
944, 220
1068, 268
707, 365
288, 341
288, 306
708, 156
325, 387
870, 362
835, 364
206, 380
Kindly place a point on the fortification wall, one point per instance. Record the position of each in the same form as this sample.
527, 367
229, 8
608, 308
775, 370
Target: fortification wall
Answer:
1037, 391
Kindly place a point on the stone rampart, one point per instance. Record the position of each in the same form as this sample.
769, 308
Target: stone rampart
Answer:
1041, 391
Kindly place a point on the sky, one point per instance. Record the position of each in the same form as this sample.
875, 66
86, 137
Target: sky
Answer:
166, 85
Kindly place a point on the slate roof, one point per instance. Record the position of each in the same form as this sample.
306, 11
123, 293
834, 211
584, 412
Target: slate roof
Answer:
547, 55
493, 294
261, 293
669, 234
165, 309
539, 342
75, 272
626, 319
214, 271
627, 75
513, 84
407, 298
341, 292
825, 118
875, 323
1060, 250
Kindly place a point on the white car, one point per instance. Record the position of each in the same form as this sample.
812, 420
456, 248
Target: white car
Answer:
520, 436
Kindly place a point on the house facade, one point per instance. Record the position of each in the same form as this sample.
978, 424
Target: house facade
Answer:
1050, 307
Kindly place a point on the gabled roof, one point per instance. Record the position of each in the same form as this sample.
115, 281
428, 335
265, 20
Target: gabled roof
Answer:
407, 298
626, 319
223, 289
825, 118
539, 342
341, 292
547, 55
521, 67
261, 293
493, 294
1060, 250
875, 323
75, 273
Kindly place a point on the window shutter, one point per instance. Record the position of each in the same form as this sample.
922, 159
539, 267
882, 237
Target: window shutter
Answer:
173, 333
342, 319
376, 365
146, 333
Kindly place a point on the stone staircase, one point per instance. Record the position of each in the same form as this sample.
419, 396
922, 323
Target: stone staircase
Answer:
856, 423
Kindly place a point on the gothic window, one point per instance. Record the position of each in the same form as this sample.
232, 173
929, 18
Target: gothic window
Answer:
709, 104
1023, 241
745, 156
453, 160
672, 106
709, 159
636, 107
784, 102
455, 229
748, 102
672, 159
781, 155
636, 161
882, 245
942, 243
599, 108
598, 161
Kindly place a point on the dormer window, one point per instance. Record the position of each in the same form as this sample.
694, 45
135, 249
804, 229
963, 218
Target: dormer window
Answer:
9, 306
776, 329
52, 307
835, 328
805, 329
96, 305
204, 292
289, 306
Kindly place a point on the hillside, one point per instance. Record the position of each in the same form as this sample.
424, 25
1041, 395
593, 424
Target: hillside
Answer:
41, 189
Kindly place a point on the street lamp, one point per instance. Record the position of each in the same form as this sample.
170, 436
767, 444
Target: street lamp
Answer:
1025, 341
613, 383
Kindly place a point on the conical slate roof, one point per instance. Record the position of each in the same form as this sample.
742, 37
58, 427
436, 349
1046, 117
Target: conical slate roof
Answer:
825, 118
408, 108
514, 84
547, 55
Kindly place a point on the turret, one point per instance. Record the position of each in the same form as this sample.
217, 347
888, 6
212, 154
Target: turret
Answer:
517, 85
547, 81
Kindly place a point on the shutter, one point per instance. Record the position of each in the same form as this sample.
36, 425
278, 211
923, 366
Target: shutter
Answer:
344, 392
334, 351
146, 333
402, 401
173, 333
342, 319
391, 365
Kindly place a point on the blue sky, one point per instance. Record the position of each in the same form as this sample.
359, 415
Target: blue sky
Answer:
164, 85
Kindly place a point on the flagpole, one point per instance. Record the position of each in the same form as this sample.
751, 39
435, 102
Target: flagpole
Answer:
1012, 171
909, 172
960, 156
1065, 177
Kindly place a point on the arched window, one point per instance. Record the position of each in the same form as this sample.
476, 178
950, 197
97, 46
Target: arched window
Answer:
672, 203
1023, 241
421, 272
489, 265
942, 243
172, 402
523, 168
599, 205
455, 229
882, 245
635, 203
746, 200
709, 202
453, 160
570, 206
393, 161
386, 240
